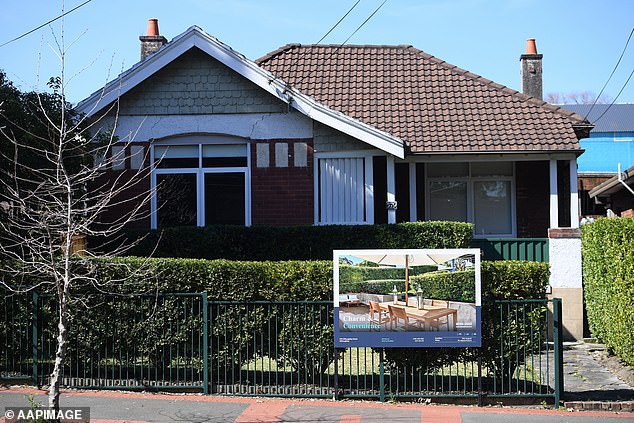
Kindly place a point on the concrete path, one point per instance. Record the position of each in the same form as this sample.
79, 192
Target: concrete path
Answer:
117, 407
588, 383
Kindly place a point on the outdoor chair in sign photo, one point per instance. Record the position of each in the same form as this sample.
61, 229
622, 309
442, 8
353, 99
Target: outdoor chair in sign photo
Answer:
378, 315
398, 314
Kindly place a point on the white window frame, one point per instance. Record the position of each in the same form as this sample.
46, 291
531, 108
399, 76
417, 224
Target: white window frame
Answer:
200, 179
368, 193
471, 180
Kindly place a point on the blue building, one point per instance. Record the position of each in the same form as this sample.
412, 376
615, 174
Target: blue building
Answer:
611, 143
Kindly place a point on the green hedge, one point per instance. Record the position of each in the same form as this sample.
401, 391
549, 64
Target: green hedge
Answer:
221, 279
608, 277
292, 280
292, 242
443, 285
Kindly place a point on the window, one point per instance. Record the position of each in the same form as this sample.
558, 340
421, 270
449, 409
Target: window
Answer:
479, 192
200, 184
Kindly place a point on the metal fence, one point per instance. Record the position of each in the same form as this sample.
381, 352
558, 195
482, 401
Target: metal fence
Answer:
529, 249
185, 342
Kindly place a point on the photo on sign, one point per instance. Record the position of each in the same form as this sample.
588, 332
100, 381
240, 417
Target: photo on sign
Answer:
432, 296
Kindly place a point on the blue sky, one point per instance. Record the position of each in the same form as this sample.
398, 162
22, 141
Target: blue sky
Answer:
580, 40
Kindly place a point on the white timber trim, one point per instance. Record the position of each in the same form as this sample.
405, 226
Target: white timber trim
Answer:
574, 195
413, 213
554, 197
391, 189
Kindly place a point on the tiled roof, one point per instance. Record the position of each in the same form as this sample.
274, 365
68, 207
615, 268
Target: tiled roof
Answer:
606, 117
433, 106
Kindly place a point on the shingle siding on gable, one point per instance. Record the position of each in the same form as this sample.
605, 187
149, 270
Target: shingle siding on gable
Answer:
198, 84
328, 139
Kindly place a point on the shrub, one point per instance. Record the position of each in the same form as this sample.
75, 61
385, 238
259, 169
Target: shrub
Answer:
608, 277
292, 242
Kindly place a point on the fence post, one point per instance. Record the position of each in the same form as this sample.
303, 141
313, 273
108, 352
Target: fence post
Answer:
205, 343
34, 332
559, 351
336, 381
382, 376
479, 376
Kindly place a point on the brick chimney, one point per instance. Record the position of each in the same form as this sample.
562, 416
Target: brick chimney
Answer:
152, 41
531, 70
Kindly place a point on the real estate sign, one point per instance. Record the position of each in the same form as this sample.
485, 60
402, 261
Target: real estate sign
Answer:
407, 298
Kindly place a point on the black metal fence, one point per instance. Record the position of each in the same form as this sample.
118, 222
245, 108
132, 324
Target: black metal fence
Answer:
185, 342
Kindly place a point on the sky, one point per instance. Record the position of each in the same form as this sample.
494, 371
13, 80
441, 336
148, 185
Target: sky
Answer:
581, 40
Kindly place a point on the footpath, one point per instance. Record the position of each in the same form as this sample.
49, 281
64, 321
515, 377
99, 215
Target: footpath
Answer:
594, 393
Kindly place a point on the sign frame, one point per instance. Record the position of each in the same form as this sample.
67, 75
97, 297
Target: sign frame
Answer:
353, 327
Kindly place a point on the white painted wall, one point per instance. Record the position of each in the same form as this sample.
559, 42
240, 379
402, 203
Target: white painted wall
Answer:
255, 126
565, 262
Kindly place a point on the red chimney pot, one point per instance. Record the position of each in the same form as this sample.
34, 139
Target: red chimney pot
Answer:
531, 47
152, 27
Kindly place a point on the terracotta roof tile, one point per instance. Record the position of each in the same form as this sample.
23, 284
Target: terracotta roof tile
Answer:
428, 103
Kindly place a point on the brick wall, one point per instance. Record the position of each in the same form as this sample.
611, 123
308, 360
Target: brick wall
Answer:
198, 84
282, 195
532, 199
136, 192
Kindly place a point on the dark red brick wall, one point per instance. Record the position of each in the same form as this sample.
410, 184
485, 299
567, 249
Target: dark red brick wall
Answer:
532, 199
134, 186
282, 196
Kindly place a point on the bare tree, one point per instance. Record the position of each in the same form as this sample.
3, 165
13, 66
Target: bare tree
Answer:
577, 97
55, 189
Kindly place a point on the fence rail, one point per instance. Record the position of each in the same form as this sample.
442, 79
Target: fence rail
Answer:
186, 342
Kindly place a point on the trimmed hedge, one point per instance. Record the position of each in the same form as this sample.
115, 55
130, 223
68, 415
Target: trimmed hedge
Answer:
295, 280
608, 277
292, 242
443, 285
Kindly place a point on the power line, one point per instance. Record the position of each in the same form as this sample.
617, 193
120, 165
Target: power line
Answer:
338, 22
615, 98
44, 24
612, 74
327, 33
362, 24
347, 39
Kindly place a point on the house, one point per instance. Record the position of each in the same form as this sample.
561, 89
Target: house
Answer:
349, 135
617, 193
610, 145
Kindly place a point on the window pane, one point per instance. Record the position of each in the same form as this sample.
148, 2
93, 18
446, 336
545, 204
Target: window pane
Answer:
176, 199
492, 207
447, 169
448, 200
224, 199
137, 157
492, 169
118, 157
224, 150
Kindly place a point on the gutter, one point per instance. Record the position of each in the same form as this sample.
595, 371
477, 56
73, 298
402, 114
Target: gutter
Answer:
620, 179
608, 187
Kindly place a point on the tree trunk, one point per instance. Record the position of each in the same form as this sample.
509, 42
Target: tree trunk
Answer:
60, 354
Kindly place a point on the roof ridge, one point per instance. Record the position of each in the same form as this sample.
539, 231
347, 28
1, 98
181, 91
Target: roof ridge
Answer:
276, 52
